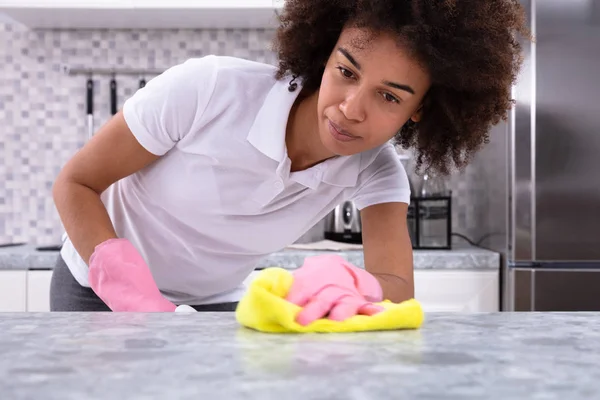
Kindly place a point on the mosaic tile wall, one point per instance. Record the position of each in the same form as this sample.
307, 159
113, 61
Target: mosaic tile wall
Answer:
43, 121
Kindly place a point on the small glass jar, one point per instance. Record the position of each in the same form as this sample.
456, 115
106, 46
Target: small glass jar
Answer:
433, 204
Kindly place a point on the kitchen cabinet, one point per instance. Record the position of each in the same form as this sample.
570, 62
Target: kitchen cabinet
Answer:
143, 14
458, 290
67, 3
13, 291
436, 290
38, 290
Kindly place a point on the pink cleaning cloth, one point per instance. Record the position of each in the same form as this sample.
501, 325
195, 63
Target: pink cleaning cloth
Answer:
120, 277
330, 285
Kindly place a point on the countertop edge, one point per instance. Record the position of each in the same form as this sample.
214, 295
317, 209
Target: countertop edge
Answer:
462, 257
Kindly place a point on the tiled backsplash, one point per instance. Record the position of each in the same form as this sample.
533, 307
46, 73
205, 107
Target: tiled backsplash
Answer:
43, 120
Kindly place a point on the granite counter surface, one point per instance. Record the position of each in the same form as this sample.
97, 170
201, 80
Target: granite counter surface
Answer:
196, 356
462, 256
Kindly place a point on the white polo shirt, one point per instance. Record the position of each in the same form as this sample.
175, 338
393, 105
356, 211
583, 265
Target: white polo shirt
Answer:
222, 196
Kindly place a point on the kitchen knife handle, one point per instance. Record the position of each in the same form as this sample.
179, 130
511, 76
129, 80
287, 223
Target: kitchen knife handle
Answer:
90, 106
113, 96
90, 96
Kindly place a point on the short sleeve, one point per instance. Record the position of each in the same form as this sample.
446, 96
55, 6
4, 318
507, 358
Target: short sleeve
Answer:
383, 181
171, 104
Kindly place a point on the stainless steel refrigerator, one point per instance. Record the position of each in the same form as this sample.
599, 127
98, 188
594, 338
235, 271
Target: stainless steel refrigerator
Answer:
552, 261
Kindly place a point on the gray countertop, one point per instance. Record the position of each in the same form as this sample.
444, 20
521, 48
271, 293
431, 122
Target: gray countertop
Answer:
195, 356
462, 256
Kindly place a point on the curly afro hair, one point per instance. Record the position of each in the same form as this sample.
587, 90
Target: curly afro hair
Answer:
469, 48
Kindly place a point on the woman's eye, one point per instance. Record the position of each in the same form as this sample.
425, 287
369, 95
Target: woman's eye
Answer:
389, 98
346, 73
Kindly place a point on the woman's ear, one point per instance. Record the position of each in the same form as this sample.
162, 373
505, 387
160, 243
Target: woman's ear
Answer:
416, 117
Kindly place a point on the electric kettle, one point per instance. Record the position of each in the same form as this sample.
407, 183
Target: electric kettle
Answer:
343, 224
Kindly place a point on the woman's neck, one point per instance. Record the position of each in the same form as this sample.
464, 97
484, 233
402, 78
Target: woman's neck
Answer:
302, 139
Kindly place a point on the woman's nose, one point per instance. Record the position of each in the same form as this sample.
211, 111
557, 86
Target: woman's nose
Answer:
353, 106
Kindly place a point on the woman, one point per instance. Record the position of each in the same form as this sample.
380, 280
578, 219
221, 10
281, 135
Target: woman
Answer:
220, 161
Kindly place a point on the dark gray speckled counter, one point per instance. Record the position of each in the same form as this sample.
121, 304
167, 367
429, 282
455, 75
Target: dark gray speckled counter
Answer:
208, 356
462, 256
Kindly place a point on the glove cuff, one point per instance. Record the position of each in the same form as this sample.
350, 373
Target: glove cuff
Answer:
365, 283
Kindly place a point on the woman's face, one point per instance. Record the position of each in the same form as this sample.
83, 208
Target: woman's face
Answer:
367, 94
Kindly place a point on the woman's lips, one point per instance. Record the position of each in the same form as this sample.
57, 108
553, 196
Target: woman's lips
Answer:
339, 134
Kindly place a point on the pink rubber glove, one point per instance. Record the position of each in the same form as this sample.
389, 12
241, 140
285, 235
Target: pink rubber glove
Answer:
120, 277
330, 285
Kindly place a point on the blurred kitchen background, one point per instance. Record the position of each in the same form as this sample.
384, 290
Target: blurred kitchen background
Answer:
43, 117
531, 194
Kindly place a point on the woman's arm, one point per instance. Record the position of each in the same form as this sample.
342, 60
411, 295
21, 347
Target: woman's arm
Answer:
388, 249
112, 154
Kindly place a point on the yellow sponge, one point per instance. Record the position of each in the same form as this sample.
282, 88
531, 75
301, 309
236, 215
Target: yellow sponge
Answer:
265, 309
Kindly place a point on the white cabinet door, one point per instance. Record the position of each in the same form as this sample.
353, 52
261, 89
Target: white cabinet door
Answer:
173, 4
66, 3
459, 291
242, 14
13, 291
38, 290
121, 4
143, 14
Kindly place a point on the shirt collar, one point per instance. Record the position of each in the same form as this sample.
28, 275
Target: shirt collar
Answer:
267, 135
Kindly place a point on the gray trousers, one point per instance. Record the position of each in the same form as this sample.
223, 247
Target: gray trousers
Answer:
66, 294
